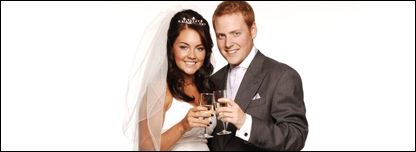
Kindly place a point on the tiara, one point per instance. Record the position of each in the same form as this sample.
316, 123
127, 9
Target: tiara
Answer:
191, 21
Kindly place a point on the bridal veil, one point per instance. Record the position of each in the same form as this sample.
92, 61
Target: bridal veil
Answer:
147, 83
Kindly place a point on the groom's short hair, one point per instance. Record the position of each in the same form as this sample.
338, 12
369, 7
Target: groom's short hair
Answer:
235, 7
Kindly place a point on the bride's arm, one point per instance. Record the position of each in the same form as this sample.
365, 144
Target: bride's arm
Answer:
171, 136
146, 139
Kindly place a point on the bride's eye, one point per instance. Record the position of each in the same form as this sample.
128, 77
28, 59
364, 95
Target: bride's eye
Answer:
200, 48
183, 47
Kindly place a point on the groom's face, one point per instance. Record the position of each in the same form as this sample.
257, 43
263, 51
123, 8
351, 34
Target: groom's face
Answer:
234, 37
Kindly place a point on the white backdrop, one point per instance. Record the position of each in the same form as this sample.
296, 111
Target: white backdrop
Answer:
65, 64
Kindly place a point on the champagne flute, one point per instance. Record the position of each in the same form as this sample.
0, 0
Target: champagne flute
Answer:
207, 100
221, 94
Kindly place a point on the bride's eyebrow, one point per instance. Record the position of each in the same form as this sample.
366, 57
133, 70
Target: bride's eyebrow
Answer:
190, 45
184, 43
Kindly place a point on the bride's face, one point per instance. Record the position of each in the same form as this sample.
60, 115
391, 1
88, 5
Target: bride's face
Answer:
189, 51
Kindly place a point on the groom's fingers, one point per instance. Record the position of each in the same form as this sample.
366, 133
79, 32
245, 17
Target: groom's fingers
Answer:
231, 102
231, 105
230, 113
224, 112
221, 116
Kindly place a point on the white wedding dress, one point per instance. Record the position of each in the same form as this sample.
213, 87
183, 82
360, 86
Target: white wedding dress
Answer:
147, 89
190, 141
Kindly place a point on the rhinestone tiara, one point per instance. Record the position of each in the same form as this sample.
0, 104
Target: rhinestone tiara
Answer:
191, 21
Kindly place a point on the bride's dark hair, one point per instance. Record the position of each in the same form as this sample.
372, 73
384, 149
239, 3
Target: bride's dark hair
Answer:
175, 78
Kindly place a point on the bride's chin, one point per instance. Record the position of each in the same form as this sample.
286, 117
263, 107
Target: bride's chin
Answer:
189, 72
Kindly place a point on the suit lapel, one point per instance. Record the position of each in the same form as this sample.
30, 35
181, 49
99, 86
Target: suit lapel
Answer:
248, 87
223, 79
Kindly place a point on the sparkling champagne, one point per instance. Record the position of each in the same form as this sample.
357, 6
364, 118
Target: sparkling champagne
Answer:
209, 111
222, 104
221, 94
206, 100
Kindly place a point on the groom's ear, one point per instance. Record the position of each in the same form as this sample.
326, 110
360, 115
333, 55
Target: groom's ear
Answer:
253, 30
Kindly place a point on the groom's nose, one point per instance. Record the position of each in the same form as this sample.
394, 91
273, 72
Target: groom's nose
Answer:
228, 42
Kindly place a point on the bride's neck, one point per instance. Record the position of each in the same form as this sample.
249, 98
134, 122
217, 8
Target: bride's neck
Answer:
189, 79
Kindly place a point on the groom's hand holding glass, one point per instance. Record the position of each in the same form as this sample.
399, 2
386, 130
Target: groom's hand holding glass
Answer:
232, 114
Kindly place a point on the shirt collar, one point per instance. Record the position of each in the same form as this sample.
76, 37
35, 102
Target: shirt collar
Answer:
248, 59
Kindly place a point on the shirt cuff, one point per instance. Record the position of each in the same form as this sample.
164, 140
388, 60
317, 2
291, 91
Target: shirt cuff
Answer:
245, 130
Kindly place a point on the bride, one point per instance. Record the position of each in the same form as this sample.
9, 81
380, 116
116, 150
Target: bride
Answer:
172, 67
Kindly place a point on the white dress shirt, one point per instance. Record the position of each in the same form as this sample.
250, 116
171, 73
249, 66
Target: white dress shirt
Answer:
235, 76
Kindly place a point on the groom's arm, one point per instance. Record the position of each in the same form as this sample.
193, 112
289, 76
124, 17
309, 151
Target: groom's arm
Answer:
289, 128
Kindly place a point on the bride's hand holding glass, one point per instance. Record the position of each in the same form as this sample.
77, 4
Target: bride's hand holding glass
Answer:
207, 101
192, 120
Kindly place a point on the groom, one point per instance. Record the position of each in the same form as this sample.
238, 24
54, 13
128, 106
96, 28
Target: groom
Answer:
266, 109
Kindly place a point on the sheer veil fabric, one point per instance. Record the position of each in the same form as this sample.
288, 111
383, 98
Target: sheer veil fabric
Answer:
146, 88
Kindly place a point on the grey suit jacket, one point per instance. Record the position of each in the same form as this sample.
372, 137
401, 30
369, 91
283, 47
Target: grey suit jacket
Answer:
279, 121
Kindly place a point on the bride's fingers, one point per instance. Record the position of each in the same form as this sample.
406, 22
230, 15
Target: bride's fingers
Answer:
200, 108
200, 111
199, 123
